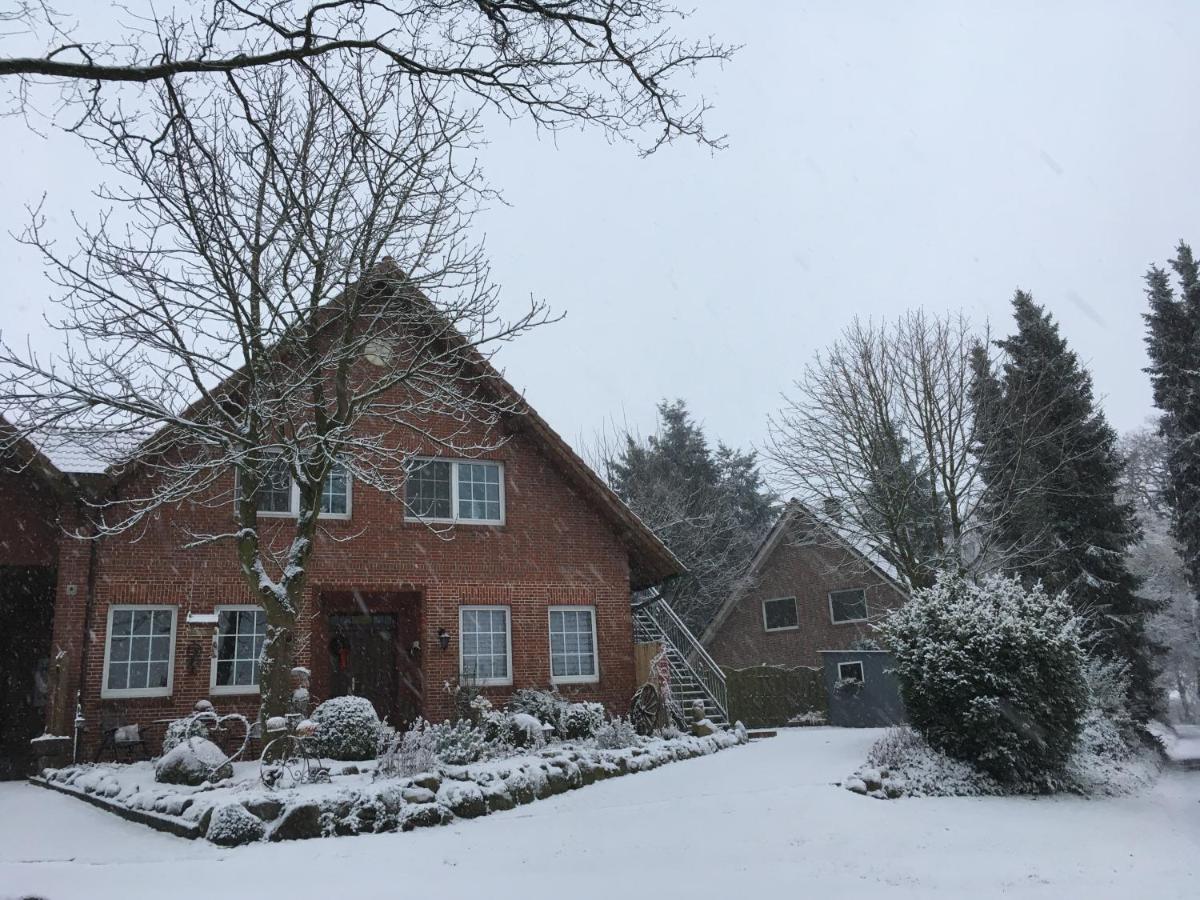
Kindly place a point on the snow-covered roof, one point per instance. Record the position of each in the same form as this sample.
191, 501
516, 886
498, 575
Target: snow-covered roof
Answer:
70, 455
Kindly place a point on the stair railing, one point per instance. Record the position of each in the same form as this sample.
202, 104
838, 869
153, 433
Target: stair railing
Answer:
690, 650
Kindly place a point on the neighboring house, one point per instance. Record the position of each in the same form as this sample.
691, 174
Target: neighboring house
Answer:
544, 555
808, 589
32, 496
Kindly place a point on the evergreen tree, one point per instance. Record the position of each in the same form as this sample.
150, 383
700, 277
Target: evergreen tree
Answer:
709, 507
1173, 344
1051, 475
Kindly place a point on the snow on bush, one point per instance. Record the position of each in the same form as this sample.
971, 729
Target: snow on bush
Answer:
991, 673
422, 747
193, 762
348, 728
615, 734
903, 757
232, 825
545, 706
180, 730
580, 720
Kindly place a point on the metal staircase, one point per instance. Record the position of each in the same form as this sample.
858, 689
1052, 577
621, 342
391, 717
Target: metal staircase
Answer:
693, 673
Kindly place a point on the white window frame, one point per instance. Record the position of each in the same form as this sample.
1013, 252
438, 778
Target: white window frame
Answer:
574, 679
228, 689
795, 606
491, 681
862, 670
295, 503
454, 518
866, 607
106, 692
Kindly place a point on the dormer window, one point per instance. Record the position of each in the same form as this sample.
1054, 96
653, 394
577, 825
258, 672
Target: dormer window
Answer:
455, 491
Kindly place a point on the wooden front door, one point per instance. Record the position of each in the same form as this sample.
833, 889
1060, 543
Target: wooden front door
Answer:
362, 660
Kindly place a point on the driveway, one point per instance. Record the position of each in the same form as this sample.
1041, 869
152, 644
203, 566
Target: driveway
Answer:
763, 820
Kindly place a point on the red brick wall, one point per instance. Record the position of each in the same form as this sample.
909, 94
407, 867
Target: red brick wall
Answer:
554, 548
29, 526
808, 573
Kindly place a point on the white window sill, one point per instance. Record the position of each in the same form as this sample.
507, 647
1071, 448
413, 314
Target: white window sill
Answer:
134, 694
417, 520
575, 679
848, 621
782, 628
233, 690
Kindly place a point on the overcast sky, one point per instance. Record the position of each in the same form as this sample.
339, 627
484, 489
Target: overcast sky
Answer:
881, 156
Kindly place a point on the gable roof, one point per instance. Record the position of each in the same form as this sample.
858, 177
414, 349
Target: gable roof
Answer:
796, 512
650, 561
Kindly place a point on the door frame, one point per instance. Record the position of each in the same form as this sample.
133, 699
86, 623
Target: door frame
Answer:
405, 605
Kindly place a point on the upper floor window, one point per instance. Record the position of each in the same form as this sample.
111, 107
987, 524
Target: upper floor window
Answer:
279, 494
780, 614
438, 490
848, 606
139, 651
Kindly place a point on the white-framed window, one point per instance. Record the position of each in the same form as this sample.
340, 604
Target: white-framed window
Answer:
139, 651
573, 656
780, 614
851, 671
241, 632
455, 491
848, 606
279, 494
485, 644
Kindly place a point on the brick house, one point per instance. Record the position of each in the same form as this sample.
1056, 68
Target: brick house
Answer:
808, 589
526, 582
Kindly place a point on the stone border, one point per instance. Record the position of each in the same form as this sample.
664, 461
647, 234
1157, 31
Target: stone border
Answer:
402, 804
157, 821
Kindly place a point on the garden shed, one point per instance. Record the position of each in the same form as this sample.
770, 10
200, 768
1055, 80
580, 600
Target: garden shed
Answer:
862, 687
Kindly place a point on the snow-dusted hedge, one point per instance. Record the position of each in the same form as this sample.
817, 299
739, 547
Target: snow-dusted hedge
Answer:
991, 673
349, 728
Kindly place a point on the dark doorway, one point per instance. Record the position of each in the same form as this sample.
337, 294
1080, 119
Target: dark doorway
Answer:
362, 660
27, 611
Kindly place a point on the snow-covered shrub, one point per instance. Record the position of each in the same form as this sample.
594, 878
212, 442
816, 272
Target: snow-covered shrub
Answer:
180, 730
408, 752
991, 673
459, 743
1108, 695
907, 758
347, 728
579, 720
232, 825
616, 734
545, 706
513, 729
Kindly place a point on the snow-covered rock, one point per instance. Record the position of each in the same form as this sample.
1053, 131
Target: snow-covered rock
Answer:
193, 762
231, 825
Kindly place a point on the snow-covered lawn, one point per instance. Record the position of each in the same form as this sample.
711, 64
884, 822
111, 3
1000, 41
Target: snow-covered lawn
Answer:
763, 818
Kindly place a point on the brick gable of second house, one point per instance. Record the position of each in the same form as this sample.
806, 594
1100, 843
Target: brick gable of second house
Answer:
807, 592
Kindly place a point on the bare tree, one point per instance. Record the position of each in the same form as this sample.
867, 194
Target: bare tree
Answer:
878, 440
1158, 563
282, 292
616, 65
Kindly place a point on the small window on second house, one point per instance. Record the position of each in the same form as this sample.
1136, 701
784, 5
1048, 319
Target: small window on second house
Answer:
780, 614
848, 606
279, 495
850, 671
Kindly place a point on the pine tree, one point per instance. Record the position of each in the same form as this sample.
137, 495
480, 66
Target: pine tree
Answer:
1173, 344
709, 507
1051, 474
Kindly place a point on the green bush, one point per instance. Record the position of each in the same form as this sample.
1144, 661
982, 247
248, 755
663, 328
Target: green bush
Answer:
348, 728
991, 673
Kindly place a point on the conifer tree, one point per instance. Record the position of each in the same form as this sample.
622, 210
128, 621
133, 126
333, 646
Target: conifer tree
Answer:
1051, 471
1173, 344
710, 507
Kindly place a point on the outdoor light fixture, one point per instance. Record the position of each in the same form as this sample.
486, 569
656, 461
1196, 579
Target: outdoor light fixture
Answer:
443, 639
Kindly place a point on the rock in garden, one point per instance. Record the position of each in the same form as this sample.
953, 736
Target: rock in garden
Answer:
297, 823
427, 780
265, 808
193, 762
417, 795
857, 785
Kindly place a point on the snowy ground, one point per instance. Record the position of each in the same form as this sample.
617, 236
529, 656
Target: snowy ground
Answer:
763, 818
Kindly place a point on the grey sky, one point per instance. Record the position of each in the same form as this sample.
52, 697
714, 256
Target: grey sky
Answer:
881, 156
